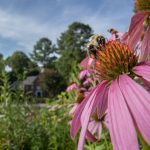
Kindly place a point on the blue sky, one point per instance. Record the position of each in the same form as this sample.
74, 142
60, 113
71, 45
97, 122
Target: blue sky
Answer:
23, 22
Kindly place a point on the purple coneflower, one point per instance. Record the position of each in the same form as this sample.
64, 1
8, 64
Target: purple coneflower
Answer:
72, 86
128, 102
139, 29
84, 73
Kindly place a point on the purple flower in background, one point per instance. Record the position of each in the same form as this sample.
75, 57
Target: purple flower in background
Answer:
84, 73
72, 87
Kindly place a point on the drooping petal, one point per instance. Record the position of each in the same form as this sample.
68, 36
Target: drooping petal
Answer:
76, 123
136, 28
99, 95
90, 136
89, 108
145, 49
106, 120
74, 108
99, 131
138, 100
103, 105
92, 127
95, 128
121, 125
142, 70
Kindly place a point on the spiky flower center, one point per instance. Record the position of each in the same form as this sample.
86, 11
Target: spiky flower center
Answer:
142, 5
115, 59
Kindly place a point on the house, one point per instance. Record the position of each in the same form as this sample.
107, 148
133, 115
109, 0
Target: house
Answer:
31, 86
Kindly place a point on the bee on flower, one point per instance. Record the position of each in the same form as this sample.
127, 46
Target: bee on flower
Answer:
118, 96
96, 42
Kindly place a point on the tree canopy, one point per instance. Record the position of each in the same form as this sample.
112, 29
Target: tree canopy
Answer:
18, 62
71, 46
42, 51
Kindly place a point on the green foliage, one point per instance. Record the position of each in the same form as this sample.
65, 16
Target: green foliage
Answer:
32, 69
18, 62
5, 94
2, 66
51, 82
28, 127
74, 72
70, 46
21, 66
25, 128
1, 56
42, 50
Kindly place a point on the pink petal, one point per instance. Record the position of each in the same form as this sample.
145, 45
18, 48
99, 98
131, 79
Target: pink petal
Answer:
145, 49
106, 121
90, 107
87, 82
84, 73
99, 131
113, 37
116, 36
99, 95
124, 38
143, 71
86, 63
76, 123
136, 29
90, 137
138, 100
121, 125
74, 108
95, 127
103, 104
146, 84
72, 87
92, 127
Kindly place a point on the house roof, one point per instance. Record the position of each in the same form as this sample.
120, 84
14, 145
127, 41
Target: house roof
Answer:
30, 80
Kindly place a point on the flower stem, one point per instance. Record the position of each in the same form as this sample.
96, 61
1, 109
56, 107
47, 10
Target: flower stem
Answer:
106, 142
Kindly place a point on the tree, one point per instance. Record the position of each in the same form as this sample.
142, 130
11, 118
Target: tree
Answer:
21, 65
18, 62
42, 50
32, 69
2, 66
51, 82
1, 56
70, 46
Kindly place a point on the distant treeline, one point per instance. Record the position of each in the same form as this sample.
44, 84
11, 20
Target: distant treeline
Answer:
54, 60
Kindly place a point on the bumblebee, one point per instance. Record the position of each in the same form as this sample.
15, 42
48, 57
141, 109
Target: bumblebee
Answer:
96, 42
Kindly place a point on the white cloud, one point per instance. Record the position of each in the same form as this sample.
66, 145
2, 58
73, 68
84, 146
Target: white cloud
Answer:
25, 31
